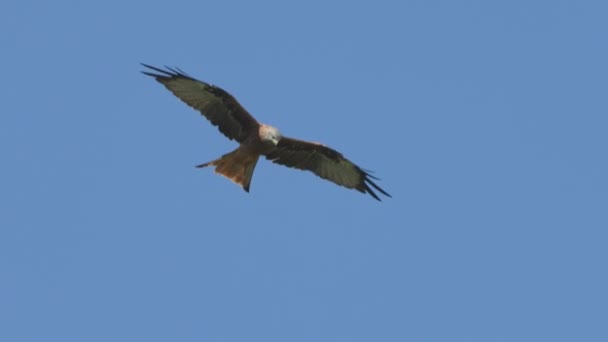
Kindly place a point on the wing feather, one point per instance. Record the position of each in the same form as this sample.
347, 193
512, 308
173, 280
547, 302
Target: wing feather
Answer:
326, 163
214, 103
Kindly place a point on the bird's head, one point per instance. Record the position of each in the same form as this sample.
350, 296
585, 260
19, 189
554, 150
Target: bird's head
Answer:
269, 134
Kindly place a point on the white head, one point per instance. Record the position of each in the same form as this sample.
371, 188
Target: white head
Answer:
269, 134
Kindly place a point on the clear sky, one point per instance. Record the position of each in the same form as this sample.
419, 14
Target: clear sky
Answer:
486, 120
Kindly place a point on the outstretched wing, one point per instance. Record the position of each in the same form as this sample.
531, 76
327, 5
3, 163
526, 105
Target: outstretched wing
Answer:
219, 107
325, 163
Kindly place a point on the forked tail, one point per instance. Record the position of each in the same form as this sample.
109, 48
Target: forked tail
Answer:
237, 166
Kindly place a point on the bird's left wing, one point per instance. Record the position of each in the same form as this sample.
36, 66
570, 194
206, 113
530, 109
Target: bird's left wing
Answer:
219, 107
324, 162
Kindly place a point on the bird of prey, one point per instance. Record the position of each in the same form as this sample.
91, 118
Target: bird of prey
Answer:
257, 139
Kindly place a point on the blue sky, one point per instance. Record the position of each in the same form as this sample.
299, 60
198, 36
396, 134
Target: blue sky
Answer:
485, 120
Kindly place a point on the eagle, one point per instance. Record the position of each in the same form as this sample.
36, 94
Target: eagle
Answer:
257, 139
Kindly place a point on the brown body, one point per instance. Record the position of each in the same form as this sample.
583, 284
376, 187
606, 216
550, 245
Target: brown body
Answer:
239, 164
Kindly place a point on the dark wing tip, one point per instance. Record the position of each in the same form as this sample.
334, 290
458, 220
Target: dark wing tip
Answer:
367, 181
161, 74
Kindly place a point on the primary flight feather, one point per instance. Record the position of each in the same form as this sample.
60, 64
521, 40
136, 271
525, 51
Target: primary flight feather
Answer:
257, 139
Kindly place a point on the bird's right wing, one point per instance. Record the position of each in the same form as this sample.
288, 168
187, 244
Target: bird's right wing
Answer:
217, 105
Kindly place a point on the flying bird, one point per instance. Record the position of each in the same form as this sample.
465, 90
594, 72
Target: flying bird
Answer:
257, 139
